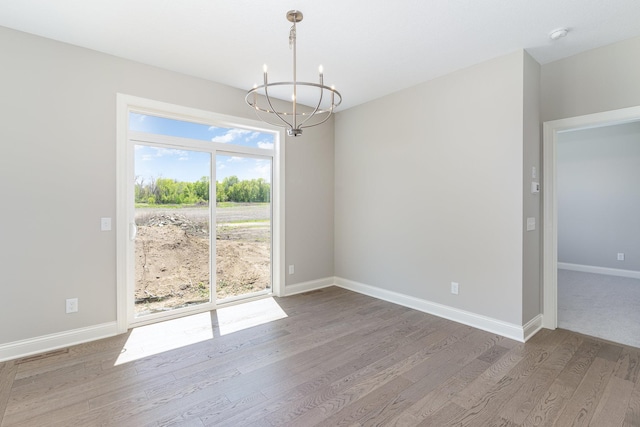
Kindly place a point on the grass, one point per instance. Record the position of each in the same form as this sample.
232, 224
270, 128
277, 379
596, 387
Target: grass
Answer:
179, 206
225, 204
203, 289
168, 206
236, 204
246, 221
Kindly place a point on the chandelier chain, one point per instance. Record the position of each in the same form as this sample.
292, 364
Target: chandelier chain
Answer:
292, 36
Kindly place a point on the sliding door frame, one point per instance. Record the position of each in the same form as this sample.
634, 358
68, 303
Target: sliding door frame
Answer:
124, 189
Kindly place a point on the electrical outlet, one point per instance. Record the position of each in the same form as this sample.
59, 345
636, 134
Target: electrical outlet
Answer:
72, 305
291, 269
454, 288
620, 256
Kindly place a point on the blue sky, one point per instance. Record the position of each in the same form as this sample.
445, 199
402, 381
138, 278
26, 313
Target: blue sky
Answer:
190, 165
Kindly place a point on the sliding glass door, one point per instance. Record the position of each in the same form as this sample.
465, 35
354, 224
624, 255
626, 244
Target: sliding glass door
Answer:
173, 239
199, 216
243, 225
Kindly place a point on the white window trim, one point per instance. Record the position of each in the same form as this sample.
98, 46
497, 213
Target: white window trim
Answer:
125, 163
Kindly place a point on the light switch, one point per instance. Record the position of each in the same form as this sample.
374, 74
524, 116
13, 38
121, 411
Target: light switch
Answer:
531, 224
535, 187
105, 224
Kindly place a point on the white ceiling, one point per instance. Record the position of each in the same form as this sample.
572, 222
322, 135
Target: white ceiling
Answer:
369, 48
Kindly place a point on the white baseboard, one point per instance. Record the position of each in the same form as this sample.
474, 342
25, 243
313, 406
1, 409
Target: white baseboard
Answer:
599, 270
43, 344
532, 327
312, 285
509, 330
23, 348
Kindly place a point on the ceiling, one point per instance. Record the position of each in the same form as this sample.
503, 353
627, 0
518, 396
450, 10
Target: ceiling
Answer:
369, 48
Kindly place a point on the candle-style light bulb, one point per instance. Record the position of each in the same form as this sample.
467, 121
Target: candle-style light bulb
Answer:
255, 96
320, 69
264, 68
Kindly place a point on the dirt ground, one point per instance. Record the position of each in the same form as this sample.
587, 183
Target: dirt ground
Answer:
172, 255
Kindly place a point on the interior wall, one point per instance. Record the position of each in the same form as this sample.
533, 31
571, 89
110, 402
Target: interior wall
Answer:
58, 178
595, 81
598, 171
429, 190
532, 206
598, 80
309, 211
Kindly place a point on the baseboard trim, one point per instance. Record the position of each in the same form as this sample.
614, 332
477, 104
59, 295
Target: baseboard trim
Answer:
312, 285
599, 270
508, 330
45, 343
532, 327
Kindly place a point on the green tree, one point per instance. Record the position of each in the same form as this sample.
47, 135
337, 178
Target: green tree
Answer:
221, 194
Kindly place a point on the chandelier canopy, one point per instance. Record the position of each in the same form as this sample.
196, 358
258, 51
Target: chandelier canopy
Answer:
261, 98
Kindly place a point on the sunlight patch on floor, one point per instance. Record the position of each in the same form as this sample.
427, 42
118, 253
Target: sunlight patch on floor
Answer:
165, 336
247, 315
159, 337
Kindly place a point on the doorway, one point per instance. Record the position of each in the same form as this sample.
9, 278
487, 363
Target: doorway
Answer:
199, 211
552, 130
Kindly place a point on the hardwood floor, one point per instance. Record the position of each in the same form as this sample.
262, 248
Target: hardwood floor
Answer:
331, 358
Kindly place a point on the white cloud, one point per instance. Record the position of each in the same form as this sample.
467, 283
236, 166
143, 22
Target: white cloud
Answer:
236, 159
265, 145
263, 170
138, 117
165, 152
231, 135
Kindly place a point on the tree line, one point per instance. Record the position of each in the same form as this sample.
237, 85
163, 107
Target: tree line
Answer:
170, 191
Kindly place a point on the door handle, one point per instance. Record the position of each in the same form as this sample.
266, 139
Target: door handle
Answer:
133, 230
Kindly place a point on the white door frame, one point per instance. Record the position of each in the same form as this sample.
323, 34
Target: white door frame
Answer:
551, 129
124, 162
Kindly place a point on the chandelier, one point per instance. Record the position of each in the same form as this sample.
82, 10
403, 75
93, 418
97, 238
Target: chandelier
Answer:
261, 98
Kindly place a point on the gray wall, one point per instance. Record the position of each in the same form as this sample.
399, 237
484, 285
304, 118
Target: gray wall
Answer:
532, 243
58, 177
598, 172
309, 210
598, 80
431, 183
429, 189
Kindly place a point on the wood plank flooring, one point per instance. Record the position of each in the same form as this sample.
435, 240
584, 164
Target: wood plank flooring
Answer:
325, 358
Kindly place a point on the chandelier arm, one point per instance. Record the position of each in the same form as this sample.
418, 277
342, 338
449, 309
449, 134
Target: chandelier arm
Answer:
329, 113
313, 113
320, 111
271, 122
266, 94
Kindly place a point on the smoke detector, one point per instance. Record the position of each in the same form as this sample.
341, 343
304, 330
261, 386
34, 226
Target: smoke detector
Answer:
558, 34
